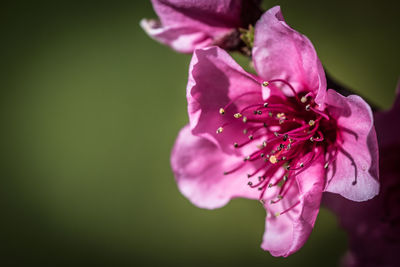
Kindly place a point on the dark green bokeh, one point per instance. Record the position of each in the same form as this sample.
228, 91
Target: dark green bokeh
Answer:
90, 108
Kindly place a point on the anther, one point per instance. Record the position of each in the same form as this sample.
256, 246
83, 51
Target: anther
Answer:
265, 125
235, 144
237, 115
264, 143
219, 130
251, 137
280, 115
244, 119
276, 134
265, 84
248, 175
270, 113
221, 111
277, 214
246, 158
265, 105
311, 122
288, 146
285, 178
245, 131
273, 159
308, 107
250, 183
326, 165
283, 158
301, 165
262, 155
285, 137
303, 99
259, 112
312, 139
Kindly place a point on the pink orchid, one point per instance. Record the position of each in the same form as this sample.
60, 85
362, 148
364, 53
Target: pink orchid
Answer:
186, 24
278, 137
374, 226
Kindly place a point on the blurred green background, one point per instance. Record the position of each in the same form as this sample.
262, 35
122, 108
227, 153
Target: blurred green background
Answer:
90, 107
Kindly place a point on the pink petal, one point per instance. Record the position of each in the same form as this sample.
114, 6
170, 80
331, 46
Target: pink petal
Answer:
282, 53
214, 80
358, 153
287, 233
199, 165
181, 39
186, 25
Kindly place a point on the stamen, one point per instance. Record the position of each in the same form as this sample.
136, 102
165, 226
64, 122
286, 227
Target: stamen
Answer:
291, 137
240, 96
292, 207
280, 115
288, 84
273, 159
320, 113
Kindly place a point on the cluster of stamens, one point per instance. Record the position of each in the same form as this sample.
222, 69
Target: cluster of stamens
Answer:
287, 133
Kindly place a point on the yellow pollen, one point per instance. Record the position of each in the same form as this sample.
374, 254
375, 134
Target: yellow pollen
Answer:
277, 214
303, 99
244, 119
219, 130
265, 84
273, 159
237, 115
311, 122
221, 111
280, 115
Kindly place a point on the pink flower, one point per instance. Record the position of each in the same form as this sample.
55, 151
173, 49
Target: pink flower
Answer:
278, 137
186, 25
374, 226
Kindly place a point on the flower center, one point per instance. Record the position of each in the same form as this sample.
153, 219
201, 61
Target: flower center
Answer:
289, 132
